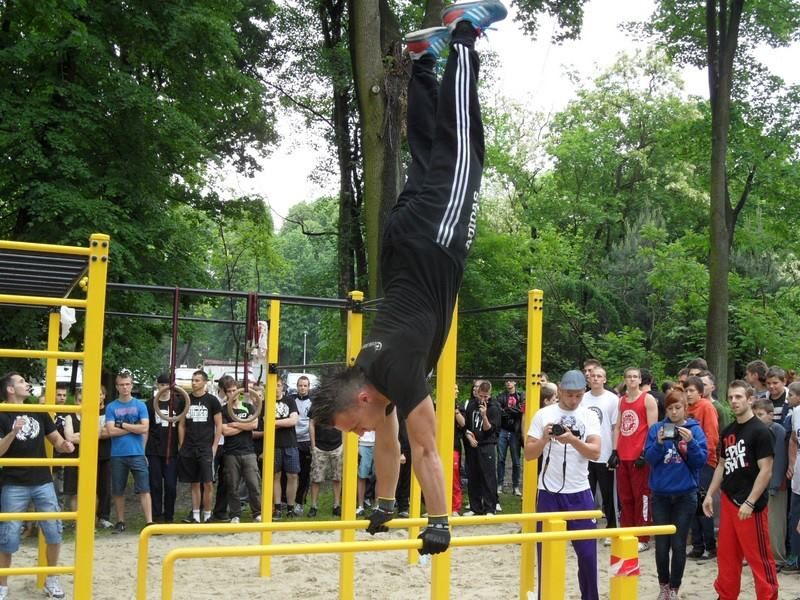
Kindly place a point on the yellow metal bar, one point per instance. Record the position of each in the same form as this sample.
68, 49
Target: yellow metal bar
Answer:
533, 385
39, 462
61, 570
268, 466
90, 417
38, 516
49, 248
39, 354
211, 528
624, 567
554, 561
445, 423
168, 567
347, 563
414, 508
42, 408
42, 301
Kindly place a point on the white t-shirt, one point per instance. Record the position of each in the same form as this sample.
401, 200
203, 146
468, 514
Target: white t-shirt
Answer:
606, 407
796, 430
555, 477
368, 439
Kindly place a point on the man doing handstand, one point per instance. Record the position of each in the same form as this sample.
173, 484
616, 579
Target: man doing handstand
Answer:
425, 245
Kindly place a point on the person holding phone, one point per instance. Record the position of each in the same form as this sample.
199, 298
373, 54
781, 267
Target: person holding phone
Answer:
676, 450
482, 422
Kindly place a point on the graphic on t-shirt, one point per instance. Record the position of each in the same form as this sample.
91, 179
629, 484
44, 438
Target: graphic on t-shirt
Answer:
29, 431
198, 413
377, 346
569, 423
735, 455
596, 410
675, 454
281, 410
629, 422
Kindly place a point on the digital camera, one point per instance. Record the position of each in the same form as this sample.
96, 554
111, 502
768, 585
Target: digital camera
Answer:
558, 429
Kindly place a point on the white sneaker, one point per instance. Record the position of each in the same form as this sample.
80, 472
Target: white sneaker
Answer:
644, 546
235, 520
498, 508
104, 524
298, 510
469, 513
257, 519
359, 511
607, 542
52, 587
499, 489
517, 491
455, 513
489, 514
3, 592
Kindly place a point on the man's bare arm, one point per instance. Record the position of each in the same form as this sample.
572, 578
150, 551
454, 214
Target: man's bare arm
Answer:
421, 426
387, 456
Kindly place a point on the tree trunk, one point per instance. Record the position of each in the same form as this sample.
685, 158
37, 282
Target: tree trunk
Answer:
722, 31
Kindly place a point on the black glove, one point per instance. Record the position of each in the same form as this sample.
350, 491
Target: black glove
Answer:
436, 536
118, 423
613, 460
639, 462
378, 519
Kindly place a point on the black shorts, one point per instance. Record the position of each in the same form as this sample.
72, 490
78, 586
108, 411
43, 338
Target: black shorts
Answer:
71, 481
195, 465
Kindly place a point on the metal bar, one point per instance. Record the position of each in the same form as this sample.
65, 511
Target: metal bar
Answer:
60, 570
39, 462
301, 300
349, 548
492, 377
38, 516
44, 248
312, 365
42, 300
19, 353
209, 528
42, 408
499, 307
268, 466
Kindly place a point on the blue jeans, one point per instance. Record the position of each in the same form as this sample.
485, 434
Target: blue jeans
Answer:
15, 498
680, 511
508, 439
703, 527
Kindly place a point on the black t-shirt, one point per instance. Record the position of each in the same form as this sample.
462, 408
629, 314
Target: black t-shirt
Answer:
512, 408
474, 421
200, 421
285, 437
325, 438
420, 282
103, 445
241, 443
28, 443
163, 434
741, 446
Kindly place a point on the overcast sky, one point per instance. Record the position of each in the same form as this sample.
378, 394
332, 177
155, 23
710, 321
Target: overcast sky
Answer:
530, 72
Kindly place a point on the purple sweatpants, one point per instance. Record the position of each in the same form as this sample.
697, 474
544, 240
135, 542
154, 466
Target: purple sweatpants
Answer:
586, 550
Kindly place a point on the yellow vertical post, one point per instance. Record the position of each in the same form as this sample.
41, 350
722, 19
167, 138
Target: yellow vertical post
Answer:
533, 388
53, 330
347, 561
445, 422
624, 568
268, 453
90, 415
554, 562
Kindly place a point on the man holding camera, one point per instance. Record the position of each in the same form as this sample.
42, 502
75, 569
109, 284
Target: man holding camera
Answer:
568, 435
127, 423
482, 425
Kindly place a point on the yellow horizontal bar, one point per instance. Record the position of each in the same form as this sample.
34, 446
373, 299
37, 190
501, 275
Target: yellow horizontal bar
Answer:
41, 408
38, 516
59, 570
388, 545
51, 248
39, 462
20, 353
205, 528
42, 300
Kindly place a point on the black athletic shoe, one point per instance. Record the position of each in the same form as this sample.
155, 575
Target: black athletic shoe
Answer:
312, 512
337, 511
119, 527
188, 519
695, 554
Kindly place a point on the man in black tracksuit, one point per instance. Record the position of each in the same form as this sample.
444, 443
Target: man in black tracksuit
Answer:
482, 429
425, 245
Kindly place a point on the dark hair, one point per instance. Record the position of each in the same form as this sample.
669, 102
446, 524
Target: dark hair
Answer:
647, 376
547, 393
676, 394
738, 383
759, 367
485, 386
591, 362
764, 404
62, 386
202, 373
695, 381
225, 382
683, 371
337, 394
164, 378
304, 378
6, 382
124, 374
667, 385
697, 363
776, 372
